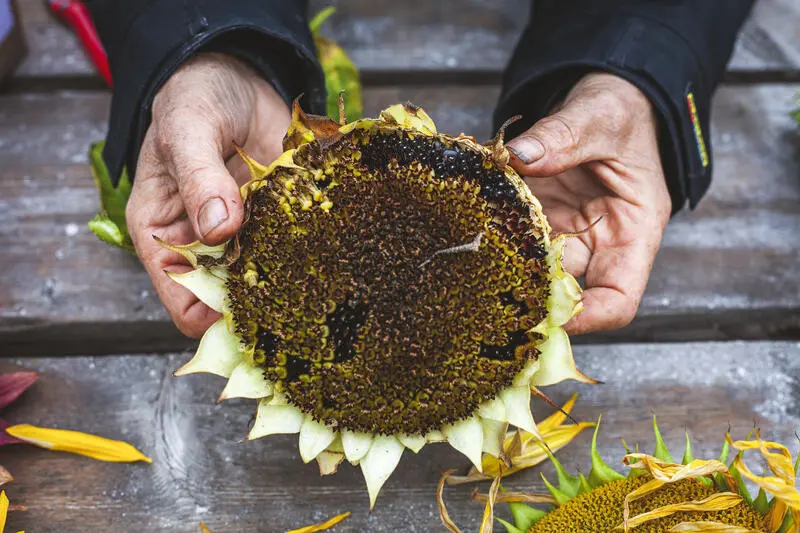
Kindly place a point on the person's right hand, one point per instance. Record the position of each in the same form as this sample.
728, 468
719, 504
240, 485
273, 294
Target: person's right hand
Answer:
187, 181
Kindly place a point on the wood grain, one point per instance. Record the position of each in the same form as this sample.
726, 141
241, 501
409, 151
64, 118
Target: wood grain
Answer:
725, 271
421, 42
201, 472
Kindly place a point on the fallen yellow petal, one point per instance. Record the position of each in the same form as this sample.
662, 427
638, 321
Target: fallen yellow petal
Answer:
63, 440
487, 522
3, 510
443, 514
716, 502
322, 526
525, 456
204, 529
556, 419
709, 527
513, 497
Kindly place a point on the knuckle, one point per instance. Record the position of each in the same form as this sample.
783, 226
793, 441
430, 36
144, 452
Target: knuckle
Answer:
558, 132
626, 312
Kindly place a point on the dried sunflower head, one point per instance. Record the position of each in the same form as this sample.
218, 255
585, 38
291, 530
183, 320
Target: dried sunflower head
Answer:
391, 286
659, 495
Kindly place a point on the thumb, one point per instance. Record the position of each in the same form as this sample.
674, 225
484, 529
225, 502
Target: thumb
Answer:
210, 194
558, 142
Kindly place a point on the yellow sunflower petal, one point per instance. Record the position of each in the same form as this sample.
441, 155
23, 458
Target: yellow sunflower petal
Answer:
204, 529
780, 461
322, 526
487, 522
780, 486
709, 527
63, 440
3, 510
672, 472
716, 502
443, 514
534, 454
556, 419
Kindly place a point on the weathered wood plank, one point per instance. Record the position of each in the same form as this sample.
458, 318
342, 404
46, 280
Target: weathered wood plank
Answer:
201, 471
446, 42
726, 271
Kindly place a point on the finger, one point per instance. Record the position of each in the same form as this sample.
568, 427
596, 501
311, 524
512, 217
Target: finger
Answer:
191, 148
154, 208
190, 315
561, 141
615, 280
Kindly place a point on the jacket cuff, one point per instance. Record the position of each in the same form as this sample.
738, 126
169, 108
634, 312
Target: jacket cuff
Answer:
643, 51
275, 42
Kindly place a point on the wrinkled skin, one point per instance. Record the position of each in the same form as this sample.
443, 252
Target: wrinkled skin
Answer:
188, 169
600, 158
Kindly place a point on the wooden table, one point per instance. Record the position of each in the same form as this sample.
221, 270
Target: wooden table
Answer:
715, 342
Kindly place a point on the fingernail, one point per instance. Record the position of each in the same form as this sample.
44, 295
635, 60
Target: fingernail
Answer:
527, 150
212, 214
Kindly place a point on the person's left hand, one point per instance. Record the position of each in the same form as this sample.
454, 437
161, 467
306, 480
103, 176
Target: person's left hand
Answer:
597, 156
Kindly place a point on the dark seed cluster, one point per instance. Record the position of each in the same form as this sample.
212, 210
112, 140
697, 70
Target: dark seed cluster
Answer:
357, 289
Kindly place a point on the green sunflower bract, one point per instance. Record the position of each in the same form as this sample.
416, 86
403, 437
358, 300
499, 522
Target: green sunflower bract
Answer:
661, 496
391, 286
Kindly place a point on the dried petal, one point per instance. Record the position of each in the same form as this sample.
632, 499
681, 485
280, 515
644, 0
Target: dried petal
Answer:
322, 526
709, 527
5, 477
488, 512
716, 502
63, 440
443, 514
14, 384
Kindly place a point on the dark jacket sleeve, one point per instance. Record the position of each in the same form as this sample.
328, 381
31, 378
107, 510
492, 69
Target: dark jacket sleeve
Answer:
675, 51
146, 40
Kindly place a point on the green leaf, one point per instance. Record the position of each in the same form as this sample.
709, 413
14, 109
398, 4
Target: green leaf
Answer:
341, 74
319, 19
108, 232
110, 225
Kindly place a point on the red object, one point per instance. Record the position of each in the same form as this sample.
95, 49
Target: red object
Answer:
74, 13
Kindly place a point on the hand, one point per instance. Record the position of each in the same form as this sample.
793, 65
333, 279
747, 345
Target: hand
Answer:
187, 180
597, 156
